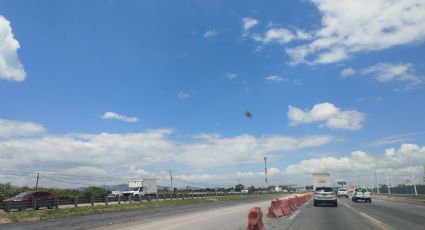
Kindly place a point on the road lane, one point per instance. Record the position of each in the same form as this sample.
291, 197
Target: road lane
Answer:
232, 218
381, 214
323, 217
394, 214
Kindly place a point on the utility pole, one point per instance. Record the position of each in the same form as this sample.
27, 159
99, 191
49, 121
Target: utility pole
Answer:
171, 181
376, 180
265, 170
36, 183
370, 181
413, 177
388, 182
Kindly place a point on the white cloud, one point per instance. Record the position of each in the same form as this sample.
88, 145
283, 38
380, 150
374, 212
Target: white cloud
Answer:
242, 149
331, 116
348, 27
86, 170
183, 95
274, 78
231, 76
248, 23
9, 128
397, 139
394, 162
210, 33
278, 35
116, 116
137, 154
347, 72
387, 72
10, 66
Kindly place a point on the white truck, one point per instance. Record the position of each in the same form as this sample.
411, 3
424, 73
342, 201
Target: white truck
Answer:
143, 187
361, 193
321, 180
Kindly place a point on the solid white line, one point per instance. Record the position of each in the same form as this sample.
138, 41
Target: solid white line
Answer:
294, 215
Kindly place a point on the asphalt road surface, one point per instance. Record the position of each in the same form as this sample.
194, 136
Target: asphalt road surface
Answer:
380, 214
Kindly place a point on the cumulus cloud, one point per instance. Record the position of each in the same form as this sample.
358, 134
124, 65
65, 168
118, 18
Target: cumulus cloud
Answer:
347, 72
116, 116
348, 27
136, 153
9, 128
330, 116
362, 163
210, 33
248, 23
274, 78
387, 72
216, 150
10, 66
277, 35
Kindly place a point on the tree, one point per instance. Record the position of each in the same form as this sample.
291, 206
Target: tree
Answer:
239, 187
94, 191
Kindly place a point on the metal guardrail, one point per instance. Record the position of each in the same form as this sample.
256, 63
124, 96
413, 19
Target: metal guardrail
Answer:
22, 205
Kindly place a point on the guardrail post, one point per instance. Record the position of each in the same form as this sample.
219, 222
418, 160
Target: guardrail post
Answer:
130, 198
171, 196
92, 201
157, 197
140, 199
56, 203
106, 200
119, 199
8, 204
75, 201
34, 204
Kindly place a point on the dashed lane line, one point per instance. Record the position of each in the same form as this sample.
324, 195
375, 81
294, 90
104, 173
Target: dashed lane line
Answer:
294, 215
372, 220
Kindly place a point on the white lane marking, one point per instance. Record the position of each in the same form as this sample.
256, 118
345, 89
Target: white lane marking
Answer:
294, 215
374, 221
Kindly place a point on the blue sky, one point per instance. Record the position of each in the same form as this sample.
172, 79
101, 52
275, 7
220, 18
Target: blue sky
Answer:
164, 85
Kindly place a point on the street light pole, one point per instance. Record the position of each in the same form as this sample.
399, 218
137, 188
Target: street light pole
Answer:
413, 177
265, 171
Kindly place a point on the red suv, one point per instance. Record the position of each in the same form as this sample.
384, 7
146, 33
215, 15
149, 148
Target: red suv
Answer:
22, 200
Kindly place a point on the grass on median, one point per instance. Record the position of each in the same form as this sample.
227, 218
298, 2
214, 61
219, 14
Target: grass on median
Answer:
33, 215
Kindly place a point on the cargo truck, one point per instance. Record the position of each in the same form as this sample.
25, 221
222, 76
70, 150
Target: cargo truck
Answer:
143, 187
321, 180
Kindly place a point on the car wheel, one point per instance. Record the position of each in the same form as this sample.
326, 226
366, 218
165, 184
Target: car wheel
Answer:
336, 204
315, 203
355, 200
49, 207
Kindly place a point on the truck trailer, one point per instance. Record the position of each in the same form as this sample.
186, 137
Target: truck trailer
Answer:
321, 180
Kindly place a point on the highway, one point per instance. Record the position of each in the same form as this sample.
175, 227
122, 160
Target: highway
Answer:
380, 214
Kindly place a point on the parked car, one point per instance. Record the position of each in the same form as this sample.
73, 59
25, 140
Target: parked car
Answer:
342, 192
44, 199
361, 193
245, 191
325, 195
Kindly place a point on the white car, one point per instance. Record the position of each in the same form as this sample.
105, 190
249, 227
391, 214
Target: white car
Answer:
361, 193
325, 195
342, 192
244, 191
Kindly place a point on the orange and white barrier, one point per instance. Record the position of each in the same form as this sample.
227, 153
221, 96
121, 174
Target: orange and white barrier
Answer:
255, 219
285, 207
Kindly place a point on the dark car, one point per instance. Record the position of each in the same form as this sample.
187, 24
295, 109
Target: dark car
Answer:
26, 199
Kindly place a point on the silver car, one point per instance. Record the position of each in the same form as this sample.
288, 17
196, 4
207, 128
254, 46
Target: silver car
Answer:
325, 195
